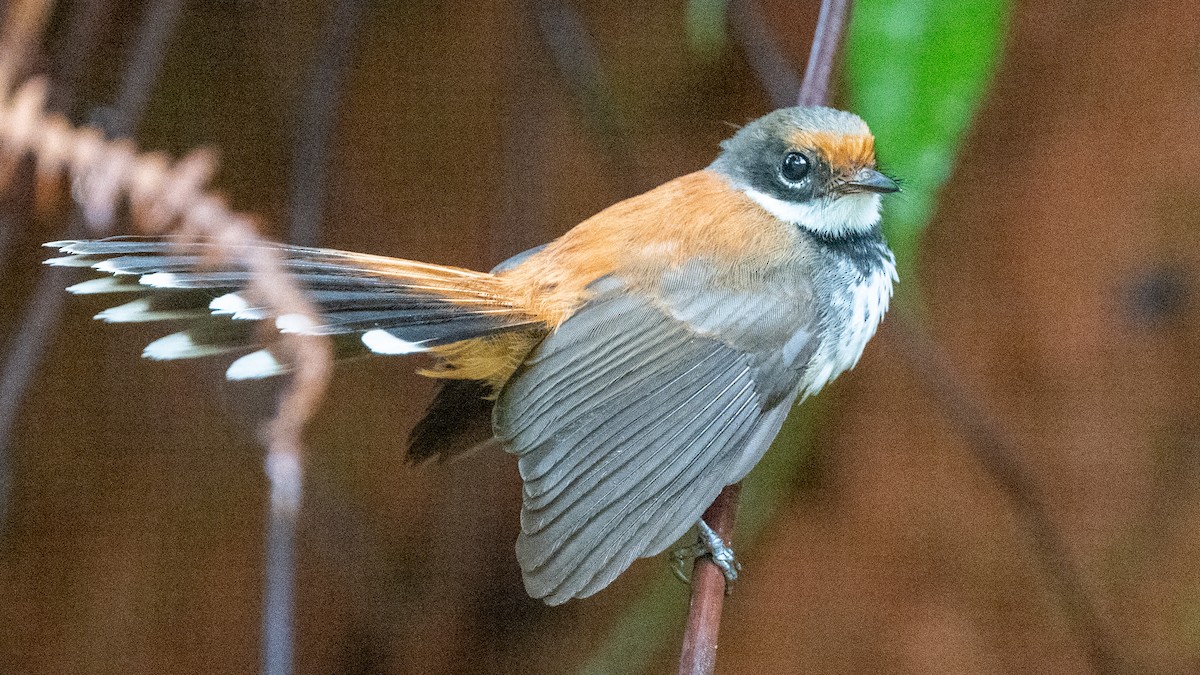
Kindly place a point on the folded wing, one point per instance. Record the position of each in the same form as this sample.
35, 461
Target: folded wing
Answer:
629, 421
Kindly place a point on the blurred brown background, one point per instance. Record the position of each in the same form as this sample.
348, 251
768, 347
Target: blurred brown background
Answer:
1061, 271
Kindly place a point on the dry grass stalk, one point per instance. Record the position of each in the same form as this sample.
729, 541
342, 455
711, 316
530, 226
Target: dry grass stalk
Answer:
165, 197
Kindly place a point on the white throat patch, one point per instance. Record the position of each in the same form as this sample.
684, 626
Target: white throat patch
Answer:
835, 216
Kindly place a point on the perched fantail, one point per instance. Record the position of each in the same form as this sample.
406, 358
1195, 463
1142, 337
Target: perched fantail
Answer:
636, 365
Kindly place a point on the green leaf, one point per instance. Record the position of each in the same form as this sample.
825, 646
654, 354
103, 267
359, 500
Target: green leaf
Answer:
916, 72
705, 27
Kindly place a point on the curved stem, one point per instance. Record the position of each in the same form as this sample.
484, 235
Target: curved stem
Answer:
831, 23
699, 655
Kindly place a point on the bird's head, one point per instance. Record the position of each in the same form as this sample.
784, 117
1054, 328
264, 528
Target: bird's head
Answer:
811, 167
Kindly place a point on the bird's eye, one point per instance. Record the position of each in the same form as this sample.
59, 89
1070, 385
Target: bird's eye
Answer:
795, 167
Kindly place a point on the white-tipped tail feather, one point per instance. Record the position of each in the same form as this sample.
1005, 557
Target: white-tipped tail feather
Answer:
236, 307
382, 342
159, 280
255, 366
230, 303
180, 346
104, 285
294, 323
141, 310
364, 304
108, 267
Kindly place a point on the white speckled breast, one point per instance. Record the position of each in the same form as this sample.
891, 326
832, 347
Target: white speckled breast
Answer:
853, 312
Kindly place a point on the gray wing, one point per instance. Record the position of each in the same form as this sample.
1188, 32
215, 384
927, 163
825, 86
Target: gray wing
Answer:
628, 421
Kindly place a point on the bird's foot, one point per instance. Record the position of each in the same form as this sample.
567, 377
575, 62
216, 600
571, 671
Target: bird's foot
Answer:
708, 543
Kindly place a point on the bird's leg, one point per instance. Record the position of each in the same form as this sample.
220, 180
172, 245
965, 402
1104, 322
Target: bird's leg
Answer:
708, 543
720, 552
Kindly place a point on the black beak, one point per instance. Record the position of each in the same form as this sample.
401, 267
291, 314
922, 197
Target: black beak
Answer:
870, 180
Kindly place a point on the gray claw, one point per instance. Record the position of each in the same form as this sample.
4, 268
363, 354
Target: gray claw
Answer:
708, 543
682, 559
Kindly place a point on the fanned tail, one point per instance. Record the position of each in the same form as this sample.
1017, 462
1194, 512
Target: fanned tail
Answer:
366, 304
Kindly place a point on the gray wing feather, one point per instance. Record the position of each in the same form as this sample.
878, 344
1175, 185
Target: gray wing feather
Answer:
606, 368
627, 477
621, 422
628, 422
674, 504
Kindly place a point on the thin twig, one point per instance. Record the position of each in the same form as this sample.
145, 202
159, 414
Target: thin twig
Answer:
285, 473
168, 196
318, 116
88, 22
124, 116
44, 309
699, 655
831, 23
24, 23
284, 465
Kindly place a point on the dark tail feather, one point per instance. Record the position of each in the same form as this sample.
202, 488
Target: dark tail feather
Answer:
366, 304
458, 420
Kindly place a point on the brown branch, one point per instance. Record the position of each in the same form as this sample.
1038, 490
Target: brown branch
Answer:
699, 656
708, 592
831, 23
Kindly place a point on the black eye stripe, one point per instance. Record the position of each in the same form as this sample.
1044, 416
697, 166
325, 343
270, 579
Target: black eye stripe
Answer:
794, 167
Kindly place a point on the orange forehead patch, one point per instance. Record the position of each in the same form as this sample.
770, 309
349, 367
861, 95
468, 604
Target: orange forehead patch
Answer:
844, 152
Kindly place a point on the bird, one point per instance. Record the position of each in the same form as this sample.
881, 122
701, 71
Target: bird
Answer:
635, 366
